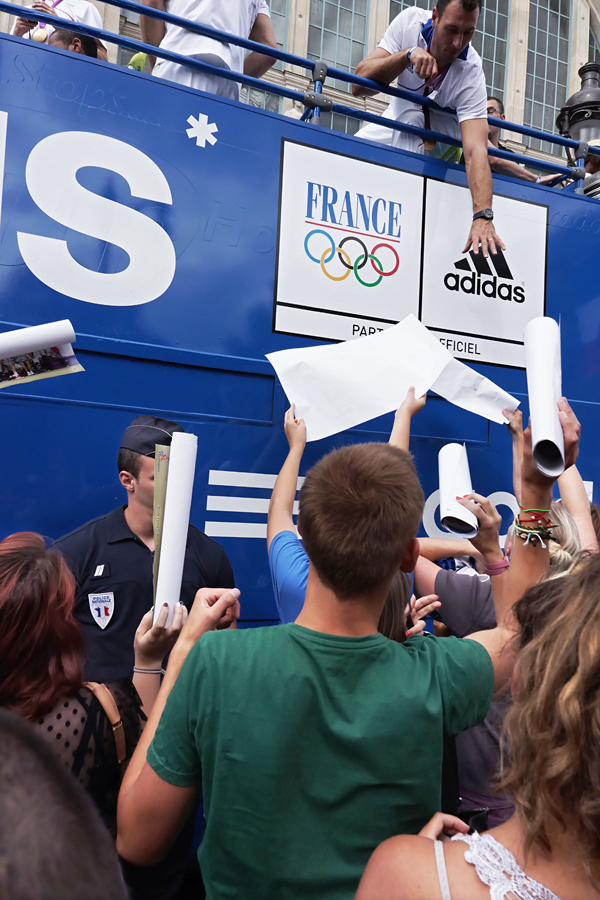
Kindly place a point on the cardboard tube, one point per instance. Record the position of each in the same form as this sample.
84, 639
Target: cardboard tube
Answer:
178, 502
544, 377
455, 481
38, 337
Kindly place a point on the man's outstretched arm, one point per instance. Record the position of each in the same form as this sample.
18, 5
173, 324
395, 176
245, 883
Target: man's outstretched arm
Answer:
475, 143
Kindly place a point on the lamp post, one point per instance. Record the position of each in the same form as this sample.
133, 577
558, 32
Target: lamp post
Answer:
579, 119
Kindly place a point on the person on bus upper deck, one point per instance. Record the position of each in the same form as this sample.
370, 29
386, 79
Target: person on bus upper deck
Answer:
430, 54
75, 10
495, 108
76, 43
112, 557
246, 18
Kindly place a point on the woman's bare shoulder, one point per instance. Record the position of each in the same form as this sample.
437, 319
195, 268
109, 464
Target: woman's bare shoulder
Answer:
402, 868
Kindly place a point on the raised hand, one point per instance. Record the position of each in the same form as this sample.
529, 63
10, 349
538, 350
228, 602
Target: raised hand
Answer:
490, 520
295, 429
152, 642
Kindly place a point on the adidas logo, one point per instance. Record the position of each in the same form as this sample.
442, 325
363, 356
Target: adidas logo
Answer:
481, 280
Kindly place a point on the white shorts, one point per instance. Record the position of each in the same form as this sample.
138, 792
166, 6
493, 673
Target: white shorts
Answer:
201, 81
413, 115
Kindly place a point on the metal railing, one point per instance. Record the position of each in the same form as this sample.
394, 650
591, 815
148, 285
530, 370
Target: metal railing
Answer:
314, 101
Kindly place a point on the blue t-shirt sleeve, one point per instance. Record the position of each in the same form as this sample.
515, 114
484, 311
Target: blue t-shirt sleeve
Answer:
288, 562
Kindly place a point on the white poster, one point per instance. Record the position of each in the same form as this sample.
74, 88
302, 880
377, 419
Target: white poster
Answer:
349, 254
479, 307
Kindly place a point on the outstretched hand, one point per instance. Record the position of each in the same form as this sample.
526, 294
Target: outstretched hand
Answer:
420, 608
571, 428
489, 519
411, 405
152, 642
213, 608
514, 424
295, 429
483, 233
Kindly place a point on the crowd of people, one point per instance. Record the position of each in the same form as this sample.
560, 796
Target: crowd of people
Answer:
336, 754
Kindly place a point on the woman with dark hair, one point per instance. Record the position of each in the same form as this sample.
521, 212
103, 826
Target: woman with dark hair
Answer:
41, 665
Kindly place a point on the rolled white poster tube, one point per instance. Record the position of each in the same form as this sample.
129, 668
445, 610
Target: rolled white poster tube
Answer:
544, 384
178, 502
455, 481
38, 337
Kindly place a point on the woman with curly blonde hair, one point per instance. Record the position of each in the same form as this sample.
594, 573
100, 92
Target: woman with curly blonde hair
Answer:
550, 849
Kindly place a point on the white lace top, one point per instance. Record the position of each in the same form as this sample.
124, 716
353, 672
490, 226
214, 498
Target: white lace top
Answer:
496, 867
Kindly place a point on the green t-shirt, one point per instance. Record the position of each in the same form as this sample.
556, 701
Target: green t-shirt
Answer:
312, 749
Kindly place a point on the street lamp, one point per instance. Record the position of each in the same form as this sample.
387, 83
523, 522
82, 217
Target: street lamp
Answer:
579, 118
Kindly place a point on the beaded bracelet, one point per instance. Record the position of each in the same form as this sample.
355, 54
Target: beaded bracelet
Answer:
148, 671
535, 529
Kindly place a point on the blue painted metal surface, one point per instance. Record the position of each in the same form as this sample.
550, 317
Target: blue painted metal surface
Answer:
196, 352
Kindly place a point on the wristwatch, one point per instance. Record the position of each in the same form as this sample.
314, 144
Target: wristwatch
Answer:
484, 214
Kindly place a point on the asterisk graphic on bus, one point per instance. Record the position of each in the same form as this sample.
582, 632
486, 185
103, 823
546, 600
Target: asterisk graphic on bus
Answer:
201, 130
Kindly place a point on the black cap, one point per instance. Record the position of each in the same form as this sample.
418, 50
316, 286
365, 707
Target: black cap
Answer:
145, 432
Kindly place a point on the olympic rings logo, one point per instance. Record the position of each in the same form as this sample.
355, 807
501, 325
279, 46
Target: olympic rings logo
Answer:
359, 263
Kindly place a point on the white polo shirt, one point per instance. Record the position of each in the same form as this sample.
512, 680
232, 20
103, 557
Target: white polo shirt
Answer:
74, 10
233, 16
462, 89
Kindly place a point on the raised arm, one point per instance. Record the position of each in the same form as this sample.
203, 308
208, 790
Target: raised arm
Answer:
515, 427
400, 436
151, 644
151, 811
529, 557
575, 500
256, 64
281, 507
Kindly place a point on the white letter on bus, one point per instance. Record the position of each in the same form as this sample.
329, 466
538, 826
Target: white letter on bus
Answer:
51, 176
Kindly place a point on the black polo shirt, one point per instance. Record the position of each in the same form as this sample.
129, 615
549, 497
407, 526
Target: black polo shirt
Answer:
113, 568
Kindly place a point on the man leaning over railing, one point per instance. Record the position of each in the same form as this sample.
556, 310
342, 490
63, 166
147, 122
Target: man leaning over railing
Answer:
430, 54
246, 18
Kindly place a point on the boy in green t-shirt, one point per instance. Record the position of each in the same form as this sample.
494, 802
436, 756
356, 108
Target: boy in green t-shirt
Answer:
312, 742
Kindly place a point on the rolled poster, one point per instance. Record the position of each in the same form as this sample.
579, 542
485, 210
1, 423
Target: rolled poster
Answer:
455, 481
544, 377
178, 502
41, 351
38, 337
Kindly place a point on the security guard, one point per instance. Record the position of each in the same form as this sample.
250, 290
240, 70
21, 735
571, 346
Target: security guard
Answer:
112, 558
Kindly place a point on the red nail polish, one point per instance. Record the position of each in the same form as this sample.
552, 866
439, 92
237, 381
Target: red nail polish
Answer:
408, 633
